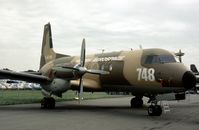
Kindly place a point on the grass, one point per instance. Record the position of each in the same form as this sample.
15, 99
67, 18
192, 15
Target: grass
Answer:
10, 97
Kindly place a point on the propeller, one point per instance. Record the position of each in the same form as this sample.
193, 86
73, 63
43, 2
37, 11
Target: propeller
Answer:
180, 54
80, 70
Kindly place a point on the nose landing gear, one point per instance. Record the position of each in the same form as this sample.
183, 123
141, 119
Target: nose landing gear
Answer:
154, 109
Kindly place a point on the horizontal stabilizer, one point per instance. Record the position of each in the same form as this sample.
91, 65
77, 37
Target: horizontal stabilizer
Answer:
194, 69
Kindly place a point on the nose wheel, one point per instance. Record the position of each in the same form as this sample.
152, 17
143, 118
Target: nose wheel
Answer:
48, 103
154, 110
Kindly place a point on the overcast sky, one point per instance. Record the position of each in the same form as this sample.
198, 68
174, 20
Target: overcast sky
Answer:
106, 24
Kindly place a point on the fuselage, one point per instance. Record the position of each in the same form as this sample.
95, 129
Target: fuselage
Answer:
145, 71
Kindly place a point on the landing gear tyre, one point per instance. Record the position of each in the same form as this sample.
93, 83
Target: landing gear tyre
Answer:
136, 103
51, 103
48, 103
154, 110
44, 103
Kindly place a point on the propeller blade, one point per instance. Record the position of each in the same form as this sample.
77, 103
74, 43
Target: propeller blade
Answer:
72, 68
80, 90
83, 53
100, 72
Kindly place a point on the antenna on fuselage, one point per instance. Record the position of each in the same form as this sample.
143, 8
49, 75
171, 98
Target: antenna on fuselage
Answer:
102, 50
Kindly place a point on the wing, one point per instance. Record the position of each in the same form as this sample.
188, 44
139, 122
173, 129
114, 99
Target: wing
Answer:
25, 76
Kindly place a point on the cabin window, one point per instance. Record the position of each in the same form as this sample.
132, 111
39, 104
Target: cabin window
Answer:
157, 59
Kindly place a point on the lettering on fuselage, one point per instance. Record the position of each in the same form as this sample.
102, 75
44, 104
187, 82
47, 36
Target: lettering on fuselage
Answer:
146, 74
103, 63
105, 59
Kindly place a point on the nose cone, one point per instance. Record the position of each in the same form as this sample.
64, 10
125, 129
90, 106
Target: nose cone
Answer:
189, 80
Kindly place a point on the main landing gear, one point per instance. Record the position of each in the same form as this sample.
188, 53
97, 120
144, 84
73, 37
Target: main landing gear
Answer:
136, 102
48, 103
153, 109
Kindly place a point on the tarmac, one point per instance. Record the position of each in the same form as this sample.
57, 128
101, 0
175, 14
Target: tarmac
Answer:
100, 114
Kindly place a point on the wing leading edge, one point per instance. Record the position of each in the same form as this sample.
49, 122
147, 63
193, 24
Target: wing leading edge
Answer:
29, 77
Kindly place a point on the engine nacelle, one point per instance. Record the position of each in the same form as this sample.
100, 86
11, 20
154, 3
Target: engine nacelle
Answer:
58, 86
63, 73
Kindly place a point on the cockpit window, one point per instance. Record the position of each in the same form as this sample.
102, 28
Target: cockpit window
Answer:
156, 59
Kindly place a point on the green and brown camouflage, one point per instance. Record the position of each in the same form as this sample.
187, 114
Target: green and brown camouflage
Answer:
140, 72
154, 73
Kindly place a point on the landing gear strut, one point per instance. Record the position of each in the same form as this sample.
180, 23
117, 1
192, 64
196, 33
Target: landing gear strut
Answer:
154, 109
136, 102
48, 103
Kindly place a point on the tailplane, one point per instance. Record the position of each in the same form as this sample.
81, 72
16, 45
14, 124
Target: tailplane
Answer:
194, 69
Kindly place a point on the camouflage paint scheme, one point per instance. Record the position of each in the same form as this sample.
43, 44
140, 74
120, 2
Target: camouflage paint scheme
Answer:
128, 72
122, 66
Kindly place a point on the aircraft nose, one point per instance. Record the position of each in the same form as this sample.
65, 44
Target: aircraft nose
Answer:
189, 80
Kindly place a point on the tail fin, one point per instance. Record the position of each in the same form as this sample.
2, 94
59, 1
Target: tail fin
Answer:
47, 52
194, 69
